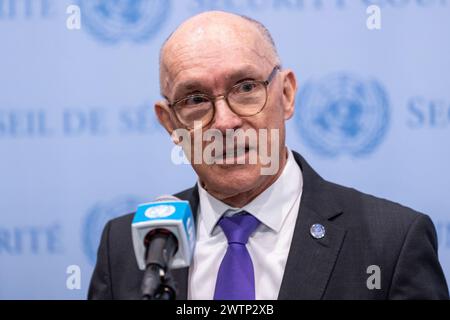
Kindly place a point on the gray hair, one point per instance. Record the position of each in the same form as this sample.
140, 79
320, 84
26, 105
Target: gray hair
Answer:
266, 34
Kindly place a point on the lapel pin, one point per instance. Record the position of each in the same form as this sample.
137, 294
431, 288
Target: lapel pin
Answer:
317, 231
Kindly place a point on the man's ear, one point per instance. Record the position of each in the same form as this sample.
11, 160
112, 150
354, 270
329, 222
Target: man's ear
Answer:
164, 115
289, 93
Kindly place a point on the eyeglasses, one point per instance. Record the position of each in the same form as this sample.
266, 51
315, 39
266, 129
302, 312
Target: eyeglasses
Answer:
246, 99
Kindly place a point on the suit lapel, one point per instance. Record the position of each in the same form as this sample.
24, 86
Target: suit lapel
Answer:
311, 261
181, 281
181, 275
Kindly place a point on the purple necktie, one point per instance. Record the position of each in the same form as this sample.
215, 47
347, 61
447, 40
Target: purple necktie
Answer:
236, 279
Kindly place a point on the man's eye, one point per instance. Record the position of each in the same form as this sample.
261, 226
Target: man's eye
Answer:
195, 100
246, 87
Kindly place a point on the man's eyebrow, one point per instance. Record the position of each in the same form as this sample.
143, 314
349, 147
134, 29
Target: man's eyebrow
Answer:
188, 86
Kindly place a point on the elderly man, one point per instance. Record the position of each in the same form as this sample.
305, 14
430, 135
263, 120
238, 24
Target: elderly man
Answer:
285, 235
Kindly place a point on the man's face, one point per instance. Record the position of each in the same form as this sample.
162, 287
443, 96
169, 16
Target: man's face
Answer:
211, 62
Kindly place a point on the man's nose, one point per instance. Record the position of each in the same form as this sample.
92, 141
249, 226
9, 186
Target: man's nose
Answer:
224, 117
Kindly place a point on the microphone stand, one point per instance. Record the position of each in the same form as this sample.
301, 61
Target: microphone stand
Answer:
163, 285
158, 283
167, 289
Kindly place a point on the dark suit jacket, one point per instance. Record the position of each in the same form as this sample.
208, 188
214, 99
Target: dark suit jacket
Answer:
361, 231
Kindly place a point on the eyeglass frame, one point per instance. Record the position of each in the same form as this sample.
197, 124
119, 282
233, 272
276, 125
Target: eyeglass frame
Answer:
213, 99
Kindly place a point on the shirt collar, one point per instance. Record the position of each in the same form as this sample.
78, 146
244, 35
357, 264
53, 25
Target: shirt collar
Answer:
271, 207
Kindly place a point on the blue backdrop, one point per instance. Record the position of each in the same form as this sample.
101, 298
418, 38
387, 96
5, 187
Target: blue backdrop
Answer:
79, 143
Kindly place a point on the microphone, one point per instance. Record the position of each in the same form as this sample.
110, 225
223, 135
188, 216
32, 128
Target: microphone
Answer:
163, 236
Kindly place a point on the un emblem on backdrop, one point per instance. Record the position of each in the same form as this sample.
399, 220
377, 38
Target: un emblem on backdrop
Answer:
342, 114
118, 20
97, 217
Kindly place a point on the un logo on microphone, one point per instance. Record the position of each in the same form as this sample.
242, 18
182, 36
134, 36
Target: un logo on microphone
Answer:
130, 20
342, 114
97, 217
159, 211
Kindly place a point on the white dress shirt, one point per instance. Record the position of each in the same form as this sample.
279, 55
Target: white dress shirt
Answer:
277, 209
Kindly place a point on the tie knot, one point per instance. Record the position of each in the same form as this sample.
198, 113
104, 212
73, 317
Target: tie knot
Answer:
239, 227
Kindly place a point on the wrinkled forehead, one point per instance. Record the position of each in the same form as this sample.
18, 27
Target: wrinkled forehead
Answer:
212, 49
